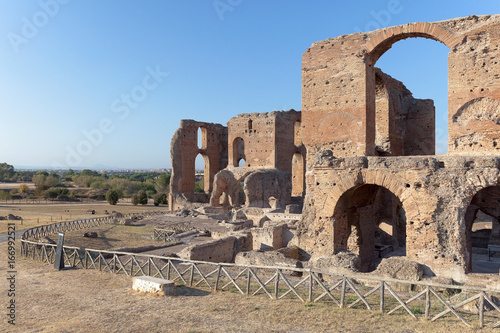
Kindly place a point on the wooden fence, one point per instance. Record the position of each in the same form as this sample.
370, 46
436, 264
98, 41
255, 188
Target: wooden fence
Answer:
432, 301
169, 233
50, 229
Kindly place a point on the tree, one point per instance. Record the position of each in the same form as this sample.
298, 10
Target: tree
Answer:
162, 183
4, 195
6, 172
142, 197
23, 188
112, 197
135, 199
160, 199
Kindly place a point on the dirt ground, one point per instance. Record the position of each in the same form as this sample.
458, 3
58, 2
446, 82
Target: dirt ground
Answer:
77, 300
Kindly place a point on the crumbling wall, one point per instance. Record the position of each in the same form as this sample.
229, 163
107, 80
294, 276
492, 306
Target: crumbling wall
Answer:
268, 188
404, 125
434, 192
269, 139
339, 86
352, 112
184, 150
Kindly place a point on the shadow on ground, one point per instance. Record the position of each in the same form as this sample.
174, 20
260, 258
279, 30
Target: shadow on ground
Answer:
187, 291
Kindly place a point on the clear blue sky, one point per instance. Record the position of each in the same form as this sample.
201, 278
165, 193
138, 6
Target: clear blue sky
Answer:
76, 87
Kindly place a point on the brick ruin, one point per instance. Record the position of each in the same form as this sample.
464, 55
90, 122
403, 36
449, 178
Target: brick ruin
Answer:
360, 159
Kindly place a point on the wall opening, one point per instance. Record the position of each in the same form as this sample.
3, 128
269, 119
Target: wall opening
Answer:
199, 174
421, 65
483, 230
241, 162
370, 221
250, 124
297, 175
297, 133
199, 137
238, 151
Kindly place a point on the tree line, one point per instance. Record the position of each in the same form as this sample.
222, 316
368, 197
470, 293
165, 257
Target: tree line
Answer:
71, 185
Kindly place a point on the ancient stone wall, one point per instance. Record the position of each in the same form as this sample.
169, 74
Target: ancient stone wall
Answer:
184, 150
268, 139
434, 194
404, 126
339, 85
352, 111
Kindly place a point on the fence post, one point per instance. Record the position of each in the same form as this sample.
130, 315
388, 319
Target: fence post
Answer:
382, 296
481, 309
427, 302
217, 278
342, 296
249, 276
310, 286
276, 284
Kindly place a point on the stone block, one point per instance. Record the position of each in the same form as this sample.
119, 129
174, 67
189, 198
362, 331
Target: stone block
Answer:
152, 285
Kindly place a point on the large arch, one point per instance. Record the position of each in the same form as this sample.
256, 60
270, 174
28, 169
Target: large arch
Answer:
382, 40
420, 137
369, 220
482, 228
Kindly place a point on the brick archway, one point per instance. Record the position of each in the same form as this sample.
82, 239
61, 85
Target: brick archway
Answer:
394, 184
382, 40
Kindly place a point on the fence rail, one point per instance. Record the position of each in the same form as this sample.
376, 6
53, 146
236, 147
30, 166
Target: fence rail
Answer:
431, 301
168, 233
50, 229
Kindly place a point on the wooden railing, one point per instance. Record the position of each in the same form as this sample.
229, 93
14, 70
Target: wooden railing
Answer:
50, 229
168, 233
431, 301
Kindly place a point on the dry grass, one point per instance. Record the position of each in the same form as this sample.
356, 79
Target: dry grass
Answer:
78, 300
35, 215
113, 236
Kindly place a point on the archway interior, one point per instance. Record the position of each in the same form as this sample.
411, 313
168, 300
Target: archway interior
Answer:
403, 118
239, 152
200, 174
483, 229
369, 221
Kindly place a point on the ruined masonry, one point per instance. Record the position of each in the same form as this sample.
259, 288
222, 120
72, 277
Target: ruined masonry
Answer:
360, 158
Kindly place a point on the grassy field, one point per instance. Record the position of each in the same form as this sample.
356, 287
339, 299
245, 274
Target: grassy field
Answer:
34, 215
112, 236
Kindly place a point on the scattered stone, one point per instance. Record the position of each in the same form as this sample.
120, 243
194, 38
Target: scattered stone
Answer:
266, 258
400, 268
342, 262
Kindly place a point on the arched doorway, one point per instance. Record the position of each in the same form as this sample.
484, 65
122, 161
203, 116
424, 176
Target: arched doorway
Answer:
202, 174
369, 220
483, 229
238, 152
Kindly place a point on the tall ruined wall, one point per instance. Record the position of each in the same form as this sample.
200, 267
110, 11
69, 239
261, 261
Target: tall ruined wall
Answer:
352, 112
268, 139
474, 86
403, 125
258, 133
184, 150
339, 84
286, 123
